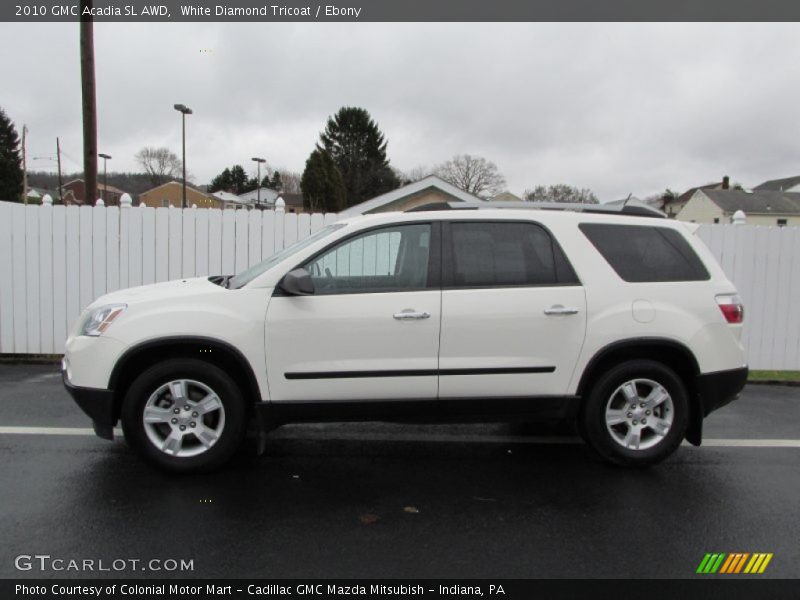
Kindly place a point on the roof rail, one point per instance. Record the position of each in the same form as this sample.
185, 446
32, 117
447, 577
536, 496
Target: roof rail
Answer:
630, 210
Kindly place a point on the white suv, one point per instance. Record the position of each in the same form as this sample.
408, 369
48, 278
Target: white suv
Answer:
621, 322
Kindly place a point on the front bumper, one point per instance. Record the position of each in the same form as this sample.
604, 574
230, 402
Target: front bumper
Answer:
98, 404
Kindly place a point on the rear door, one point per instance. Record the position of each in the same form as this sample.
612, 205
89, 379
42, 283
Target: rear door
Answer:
513, 311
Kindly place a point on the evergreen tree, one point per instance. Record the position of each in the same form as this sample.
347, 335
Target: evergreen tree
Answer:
222, 182
321, 184
276, 183
233, 180
358, 149
10, 161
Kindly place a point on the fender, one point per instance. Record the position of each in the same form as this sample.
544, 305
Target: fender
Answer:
250, 385
667, 350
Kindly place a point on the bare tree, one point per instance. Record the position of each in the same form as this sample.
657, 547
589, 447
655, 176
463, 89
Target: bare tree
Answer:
160, 164
412, 175
473, 174
560, 193
290, 181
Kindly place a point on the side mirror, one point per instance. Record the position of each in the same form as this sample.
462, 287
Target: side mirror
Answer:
297, 283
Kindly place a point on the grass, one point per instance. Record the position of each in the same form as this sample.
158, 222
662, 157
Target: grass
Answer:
774, 376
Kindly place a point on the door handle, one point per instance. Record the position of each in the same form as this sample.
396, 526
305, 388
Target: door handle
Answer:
410, 314
557, 309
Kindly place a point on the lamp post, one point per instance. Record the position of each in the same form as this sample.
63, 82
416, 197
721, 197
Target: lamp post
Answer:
105, 158
258, 189
184, 110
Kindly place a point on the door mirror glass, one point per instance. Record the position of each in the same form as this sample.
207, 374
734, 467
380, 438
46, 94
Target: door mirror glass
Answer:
297, 283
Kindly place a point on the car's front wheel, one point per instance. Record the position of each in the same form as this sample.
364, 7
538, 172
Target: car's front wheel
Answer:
636, 414
184, 415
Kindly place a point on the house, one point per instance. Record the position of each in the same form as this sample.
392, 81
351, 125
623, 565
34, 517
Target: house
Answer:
759, 207
505, 197
36, 194
787, 184
171, 194
430, 190
74, 192
229, 200
267, 196
673, 206
293, 202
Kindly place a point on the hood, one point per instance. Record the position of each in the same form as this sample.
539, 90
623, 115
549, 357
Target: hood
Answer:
179, 288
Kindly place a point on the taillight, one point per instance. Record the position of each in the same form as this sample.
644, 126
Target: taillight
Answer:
732, 308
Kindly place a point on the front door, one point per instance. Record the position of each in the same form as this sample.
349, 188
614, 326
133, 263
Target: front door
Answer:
370, 331
513, 312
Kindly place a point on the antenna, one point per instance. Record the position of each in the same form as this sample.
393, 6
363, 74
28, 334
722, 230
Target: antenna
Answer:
624, 204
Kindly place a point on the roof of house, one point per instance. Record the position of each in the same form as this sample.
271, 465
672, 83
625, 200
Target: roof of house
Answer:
292, 200
755, 202
778, 185
100, 186
228, 197
189, 186
685, 196
268, 195
431, 181
505, 197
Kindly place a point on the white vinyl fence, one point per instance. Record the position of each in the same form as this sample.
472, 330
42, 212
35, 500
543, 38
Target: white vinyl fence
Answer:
55, 260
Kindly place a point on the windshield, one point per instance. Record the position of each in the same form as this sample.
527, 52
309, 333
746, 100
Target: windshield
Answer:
248, 275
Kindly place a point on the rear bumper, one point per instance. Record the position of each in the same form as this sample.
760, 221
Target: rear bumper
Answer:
720, 388
98, 404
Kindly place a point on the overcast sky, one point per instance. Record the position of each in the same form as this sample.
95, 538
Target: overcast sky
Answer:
618, 108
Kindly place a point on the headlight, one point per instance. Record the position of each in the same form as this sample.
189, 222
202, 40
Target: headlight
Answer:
98, 320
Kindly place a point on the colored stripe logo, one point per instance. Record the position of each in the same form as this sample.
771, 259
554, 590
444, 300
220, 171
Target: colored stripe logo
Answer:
733, 563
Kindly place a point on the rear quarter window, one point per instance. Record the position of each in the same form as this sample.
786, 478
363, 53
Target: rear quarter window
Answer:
641, 254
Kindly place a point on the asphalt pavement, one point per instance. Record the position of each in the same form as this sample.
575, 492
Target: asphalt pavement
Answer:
409, 501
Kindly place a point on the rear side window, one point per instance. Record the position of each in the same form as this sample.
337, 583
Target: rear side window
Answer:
500, 254
646, 254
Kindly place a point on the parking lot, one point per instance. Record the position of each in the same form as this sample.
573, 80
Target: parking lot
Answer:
378, 500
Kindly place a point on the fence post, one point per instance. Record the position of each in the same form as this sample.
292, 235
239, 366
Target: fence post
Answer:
280, 217
739, 218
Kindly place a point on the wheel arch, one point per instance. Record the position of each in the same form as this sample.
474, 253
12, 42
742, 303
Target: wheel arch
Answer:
671, 353
146, 354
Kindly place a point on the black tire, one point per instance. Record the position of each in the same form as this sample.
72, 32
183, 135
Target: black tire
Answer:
233, 414
603, 438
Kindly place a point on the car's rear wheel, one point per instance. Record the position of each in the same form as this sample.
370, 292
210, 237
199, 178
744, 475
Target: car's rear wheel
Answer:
184, 415
636, 414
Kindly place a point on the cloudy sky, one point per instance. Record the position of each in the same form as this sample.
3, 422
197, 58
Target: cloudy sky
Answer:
618, 108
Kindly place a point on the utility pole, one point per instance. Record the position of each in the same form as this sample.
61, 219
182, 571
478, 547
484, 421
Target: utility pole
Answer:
24, 166
60, 184
89, 99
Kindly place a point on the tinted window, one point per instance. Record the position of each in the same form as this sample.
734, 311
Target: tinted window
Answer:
640, 254
383, 260
505, 254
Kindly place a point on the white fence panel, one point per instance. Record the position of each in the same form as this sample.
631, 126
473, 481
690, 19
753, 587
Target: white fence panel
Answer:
6, 277
60, 259
46, 315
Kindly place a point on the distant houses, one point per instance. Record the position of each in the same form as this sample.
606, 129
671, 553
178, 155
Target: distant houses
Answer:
774, 202
171, 194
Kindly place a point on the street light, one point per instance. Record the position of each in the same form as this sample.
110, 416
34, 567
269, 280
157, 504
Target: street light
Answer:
258, 189
184, 110
106, 158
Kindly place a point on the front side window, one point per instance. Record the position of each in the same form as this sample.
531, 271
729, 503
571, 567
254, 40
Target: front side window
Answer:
382, 260
501, 254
